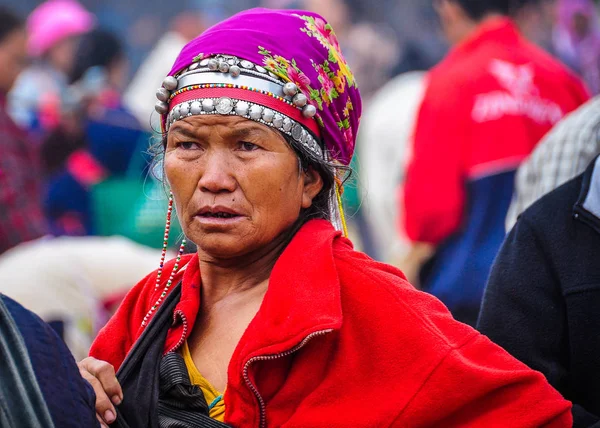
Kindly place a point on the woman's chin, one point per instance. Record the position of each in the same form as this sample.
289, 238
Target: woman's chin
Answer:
222, 246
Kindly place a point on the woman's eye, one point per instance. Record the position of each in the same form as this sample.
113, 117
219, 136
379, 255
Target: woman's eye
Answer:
247, 146
188, 145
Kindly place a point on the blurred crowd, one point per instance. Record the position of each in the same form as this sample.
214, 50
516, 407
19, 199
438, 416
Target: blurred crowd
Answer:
432, 182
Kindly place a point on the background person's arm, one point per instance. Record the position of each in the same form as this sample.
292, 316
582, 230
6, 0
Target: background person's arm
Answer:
434, 193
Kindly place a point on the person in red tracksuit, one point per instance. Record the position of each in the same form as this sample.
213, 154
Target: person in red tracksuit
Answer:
487, 105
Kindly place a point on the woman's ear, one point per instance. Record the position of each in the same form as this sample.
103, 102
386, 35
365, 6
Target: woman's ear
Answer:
313, 184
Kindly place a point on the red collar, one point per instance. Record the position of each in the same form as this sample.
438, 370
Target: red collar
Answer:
303, 295
498, 30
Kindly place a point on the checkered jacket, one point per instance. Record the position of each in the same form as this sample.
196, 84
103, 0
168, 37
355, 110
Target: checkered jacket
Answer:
21, 217
564, 153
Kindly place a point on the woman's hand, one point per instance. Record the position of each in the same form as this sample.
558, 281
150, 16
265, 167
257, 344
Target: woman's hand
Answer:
101, 375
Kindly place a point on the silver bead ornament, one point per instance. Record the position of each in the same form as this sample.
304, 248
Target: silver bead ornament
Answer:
300, 100
305, 136
184, 109
309, 111
162, 94
260, 69
235, 71
247, 64
170, 83
290, 89
224, 105
176, 113
231, 61
161, 107
297, 132
194, 66
223, 67
242, 108
213, 64
256, 112
208, 105
278, 121
196, 108
204, 62
287, 124
268, 115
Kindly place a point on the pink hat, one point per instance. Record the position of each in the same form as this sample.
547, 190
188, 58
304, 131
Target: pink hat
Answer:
54, 21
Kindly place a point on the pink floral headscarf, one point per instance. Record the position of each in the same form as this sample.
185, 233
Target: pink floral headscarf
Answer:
299, 47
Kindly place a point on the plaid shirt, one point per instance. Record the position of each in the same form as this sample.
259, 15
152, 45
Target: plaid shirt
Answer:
564, 153
21, 217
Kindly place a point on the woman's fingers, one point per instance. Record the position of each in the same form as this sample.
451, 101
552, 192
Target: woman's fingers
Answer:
102, 424
105, 373
104, 407
101, 376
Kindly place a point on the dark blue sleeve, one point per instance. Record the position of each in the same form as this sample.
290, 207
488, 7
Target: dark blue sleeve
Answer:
70, 399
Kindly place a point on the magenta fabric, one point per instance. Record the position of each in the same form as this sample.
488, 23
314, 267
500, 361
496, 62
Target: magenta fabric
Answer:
300, 47
568, 8
582, 53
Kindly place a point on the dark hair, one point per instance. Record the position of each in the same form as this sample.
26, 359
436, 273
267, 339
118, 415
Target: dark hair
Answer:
321, 207
98, 48
9, 22
477, 9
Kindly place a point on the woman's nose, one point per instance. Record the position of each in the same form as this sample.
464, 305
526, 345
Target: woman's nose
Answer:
218, 174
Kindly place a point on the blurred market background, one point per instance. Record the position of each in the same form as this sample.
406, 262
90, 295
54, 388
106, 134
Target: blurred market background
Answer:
92, 204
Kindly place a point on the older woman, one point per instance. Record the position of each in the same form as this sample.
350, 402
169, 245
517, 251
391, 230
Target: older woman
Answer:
276, 321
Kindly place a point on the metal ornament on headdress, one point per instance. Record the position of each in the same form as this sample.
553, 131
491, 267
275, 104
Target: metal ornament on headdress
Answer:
229, 72
290, 89
163, 94
300, 100
309, 111
170, 83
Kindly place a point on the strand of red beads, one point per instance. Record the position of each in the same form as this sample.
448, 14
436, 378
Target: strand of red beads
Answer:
165, 241
167, 286
162, 263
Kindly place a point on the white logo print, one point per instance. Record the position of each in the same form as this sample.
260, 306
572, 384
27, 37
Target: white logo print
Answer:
516, 79
520, 96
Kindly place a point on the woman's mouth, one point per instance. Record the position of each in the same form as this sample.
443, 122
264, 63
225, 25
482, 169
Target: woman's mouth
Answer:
218, 215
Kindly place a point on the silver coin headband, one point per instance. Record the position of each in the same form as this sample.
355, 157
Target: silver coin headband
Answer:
226, 85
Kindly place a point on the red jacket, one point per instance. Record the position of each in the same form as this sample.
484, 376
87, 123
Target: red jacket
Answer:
487, 105
343, 341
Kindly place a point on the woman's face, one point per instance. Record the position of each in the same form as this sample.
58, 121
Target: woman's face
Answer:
62, 54
237, 184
